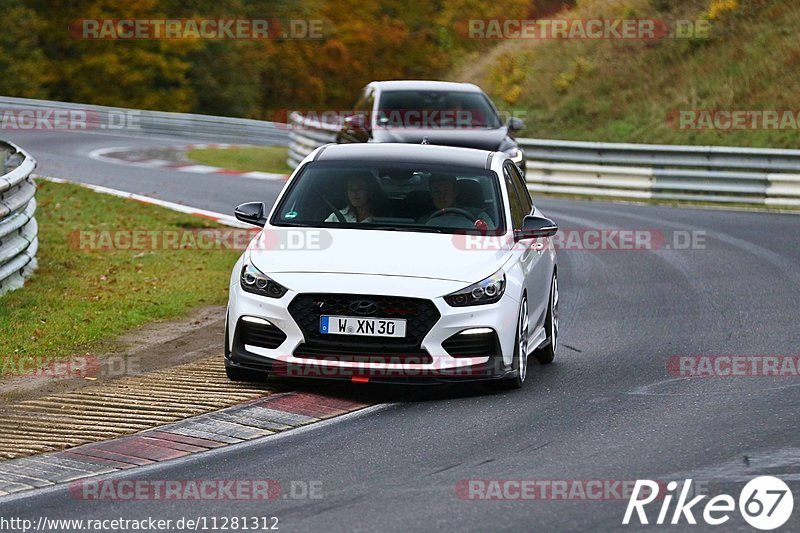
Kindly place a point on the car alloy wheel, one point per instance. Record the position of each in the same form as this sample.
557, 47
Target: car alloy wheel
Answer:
547, 353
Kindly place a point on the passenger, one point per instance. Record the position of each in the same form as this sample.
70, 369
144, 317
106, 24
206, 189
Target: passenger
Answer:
360, 198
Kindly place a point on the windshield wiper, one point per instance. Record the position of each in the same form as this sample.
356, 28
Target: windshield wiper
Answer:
425, 229
295, 225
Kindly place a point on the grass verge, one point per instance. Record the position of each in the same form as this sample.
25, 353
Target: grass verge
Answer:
261, 158
80, 300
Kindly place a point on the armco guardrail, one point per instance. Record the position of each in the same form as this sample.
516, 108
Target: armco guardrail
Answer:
638, 171
117, 120
305, 135
723, 174
18, 229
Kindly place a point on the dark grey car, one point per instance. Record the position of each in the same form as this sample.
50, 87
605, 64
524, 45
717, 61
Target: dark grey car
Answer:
432, 112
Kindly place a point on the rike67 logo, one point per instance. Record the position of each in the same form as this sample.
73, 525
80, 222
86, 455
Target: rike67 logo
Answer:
765, 503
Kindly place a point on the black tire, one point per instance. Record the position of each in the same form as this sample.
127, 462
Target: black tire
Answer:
518, 379
547, 353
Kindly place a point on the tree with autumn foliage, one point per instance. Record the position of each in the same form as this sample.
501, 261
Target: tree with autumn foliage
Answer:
361, 42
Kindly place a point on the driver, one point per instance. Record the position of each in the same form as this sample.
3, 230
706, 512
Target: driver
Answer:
443, 194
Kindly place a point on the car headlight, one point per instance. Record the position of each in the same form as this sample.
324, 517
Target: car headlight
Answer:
254, 281
487, 291
515, 154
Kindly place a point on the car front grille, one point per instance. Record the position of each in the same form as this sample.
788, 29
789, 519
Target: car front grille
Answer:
420, 316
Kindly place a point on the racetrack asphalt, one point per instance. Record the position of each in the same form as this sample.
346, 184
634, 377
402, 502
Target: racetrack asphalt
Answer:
607, 409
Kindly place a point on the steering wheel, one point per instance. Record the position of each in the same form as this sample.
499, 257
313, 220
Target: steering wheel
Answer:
454, 211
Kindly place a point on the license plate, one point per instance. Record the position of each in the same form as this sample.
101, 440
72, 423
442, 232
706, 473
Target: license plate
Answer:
368, 327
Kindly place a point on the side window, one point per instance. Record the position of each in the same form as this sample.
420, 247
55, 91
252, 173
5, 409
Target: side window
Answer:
514, 201
364, 103
522, 188
360, 102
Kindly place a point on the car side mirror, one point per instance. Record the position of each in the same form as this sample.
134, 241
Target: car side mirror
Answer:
252, 213
515, 124
357, 121
535, 227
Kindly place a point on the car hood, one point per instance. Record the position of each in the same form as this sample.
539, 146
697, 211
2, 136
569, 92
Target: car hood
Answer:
483, 139
376, 252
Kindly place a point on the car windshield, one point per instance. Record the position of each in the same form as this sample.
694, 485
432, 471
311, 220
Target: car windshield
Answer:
436, 109
392, 196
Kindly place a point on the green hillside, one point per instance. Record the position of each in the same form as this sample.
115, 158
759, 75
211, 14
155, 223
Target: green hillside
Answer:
628, 90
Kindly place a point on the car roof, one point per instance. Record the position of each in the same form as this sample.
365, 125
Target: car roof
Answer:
421, 153
424, 85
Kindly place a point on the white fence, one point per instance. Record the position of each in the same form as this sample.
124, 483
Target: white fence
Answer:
18, 229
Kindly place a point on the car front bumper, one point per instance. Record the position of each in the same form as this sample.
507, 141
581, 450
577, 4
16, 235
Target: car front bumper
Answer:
430, 362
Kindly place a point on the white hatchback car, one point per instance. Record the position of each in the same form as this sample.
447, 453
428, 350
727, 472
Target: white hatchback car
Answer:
395, 262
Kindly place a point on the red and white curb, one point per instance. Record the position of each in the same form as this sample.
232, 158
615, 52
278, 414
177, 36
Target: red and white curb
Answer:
266, 416
129, 156
221, 218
